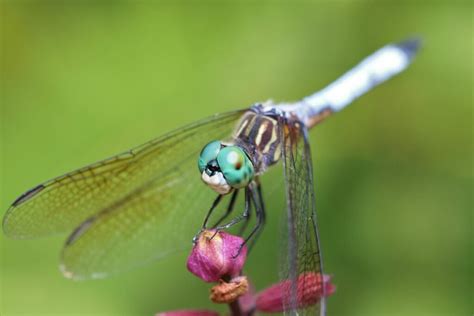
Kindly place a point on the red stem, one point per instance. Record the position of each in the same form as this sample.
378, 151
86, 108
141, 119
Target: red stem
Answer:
235, 309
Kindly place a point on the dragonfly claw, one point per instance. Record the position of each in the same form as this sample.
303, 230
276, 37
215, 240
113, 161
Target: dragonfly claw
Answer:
239, 251
196, 237
215, 233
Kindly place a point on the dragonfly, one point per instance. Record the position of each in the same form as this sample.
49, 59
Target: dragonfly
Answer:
148, 202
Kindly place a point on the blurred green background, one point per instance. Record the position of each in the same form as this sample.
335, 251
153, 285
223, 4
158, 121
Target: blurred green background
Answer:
83, 80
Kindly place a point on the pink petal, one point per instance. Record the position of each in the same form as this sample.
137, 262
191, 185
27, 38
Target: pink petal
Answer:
309, 292
189, 313
216, 255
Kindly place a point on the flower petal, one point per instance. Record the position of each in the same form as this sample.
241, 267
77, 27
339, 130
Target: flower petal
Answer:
217, 255
189, 312
309, 292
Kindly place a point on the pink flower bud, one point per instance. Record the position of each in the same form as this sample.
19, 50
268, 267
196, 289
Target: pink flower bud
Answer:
309, 291
216, 256
189, 312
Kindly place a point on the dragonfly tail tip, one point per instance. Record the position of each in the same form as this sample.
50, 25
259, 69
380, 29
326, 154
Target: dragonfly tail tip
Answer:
410, 46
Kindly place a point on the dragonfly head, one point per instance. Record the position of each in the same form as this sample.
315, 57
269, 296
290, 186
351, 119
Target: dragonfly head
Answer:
224, 168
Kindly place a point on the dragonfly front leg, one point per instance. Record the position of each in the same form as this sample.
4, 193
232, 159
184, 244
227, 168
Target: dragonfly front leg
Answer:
244, 216
213, 206
206, 219
229, 210
216, 202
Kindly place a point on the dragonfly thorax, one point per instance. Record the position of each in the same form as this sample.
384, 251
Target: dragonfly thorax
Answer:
259, 132
225, 167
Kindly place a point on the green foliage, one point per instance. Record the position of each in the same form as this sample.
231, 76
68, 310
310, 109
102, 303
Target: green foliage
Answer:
80, 82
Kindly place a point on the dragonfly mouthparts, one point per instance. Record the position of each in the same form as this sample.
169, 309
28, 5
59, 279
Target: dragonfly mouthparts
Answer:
212, 167
217, 182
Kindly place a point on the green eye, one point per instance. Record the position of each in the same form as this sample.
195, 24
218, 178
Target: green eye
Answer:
236, 166
208, 153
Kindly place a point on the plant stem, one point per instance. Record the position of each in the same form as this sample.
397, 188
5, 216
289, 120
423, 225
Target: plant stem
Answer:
235, 309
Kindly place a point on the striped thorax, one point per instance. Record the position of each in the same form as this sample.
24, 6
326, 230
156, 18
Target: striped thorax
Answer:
259, 133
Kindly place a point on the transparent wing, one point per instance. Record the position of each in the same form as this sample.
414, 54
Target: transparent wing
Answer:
155, 219
129, 209
61, 204
302, 256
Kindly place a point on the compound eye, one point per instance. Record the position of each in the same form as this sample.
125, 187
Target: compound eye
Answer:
235, 166
208, 154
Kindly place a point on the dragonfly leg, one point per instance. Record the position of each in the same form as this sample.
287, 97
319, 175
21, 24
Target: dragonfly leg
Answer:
261, 218
257, 199
245, 224
204, 224
242, 216
229, 210
213, 206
